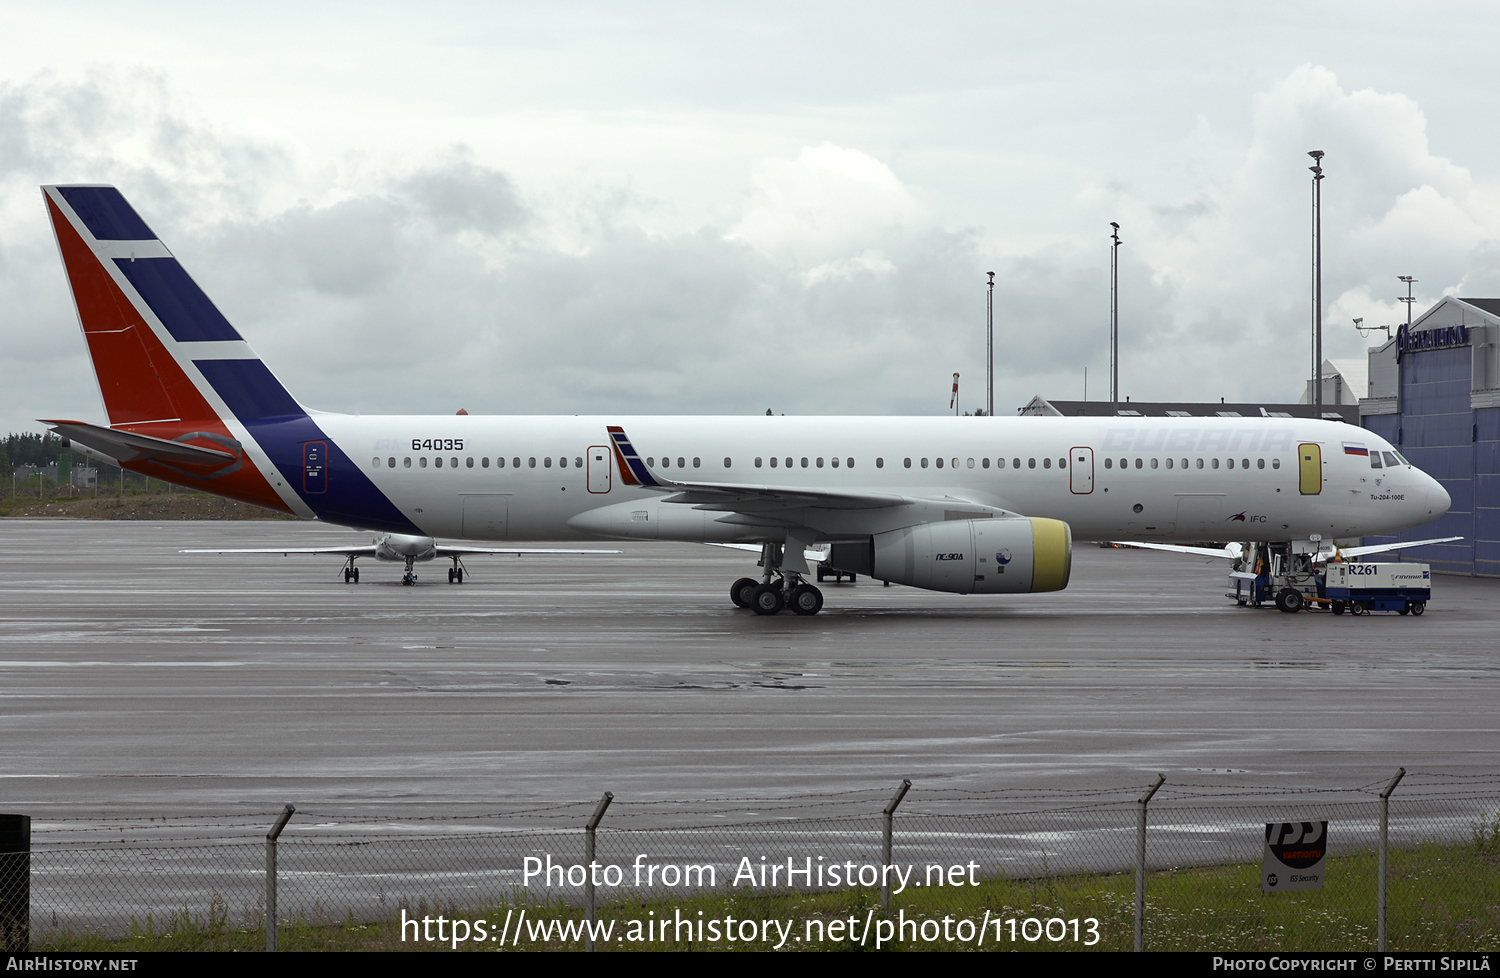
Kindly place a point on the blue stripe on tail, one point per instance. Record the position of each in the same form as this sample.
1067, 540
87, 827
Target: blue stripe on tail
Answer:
282, 429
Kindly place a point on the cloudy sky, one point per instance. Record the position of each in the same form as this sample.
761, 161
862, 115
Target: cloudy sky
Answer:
673, 208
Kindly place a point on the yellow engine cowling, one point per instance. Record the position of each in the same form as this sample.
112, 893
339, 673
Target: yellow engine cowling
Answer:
1009, 556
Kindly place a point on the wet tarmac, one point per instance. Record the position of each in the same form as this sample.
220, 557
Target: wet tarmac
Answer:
137, 679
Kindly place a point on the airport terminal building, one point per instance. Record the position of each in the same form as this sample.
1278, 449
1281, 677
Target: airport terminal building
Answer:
1435, 393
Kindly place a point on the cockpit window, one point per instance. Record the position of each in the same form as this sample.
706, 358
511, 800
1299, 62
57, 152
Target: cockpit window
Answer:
1375, 461
1394, 458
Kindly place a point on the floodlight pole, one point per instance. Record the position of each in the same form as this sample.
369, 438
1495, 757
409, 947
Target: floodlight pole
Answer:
1114, 320
989, 348
1407, 298
1317, 189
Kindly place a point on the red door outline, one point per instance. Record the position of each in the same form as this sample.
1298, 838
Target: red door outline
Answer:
600, 463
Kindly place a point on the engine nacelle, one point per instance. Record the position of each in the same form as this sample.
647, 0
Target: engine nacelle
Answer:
1011, 556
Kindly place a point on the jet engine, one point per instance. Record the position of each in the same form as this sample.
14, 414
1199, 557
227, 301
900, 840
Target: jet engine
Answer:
1007, 556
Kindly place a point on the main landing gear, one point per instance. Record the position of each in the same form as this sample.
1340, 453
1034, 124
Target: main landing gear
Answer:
456, 572
777, 588
351, 573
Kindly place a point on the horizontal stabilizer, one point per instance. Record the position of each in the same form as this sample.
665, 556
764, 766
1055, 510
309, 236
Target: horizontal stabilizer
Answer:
130, 447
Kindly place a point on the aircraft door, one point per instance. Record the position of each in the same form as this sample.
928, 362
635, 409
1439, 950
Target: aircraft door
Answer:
1083, 471
1310, 469
314, 467
600, 464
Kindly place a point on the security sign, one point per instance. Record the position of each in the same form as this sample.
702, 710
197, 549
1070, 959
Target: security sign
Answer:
1294, 859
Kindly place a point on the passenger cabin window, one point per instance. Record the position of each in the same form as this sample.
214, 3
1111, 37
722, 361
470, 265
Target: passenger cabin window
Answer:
1015, 463
879, 462
422, 462
1260, 463
1275, 463
438, 462
1062, 463
1046, 463
726, 461
924, 463
849, 462
1200, 463
1109, 463
390, 463
681, 463
697, 462
757, 461
578, 462
1154, 461
834, 461
531, 462
1169, 463
469, 463
939, 463
1031, 463
985, 462
547, 462
484, 463
375, 463
788, 463
773, 461
515, 463
1216, 463
453, 462
908, 463
1139, 463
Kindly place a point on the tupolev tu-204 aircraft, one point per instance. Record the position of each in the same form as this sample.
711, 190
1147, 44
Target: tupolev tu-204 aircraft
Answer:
965, 505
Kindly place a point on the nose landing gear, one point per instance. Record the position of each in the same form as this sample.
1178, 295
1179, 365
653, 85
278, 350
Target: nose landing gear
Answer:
410, 577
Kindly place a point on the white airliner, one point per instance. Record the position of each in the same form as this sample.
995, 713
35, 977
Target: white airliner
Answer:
966, 505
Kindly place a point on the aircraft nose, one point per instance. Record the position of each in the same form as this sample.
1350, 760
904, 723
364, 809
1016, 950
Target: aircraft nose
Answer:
1438, 499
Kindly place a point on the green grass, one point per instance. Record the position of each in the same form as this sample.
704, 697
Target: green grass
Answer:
1442, 897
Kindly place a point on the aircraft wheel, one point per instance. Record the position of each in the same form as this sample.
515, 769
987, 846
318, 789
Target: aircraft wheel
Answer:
1417, 607
1289, 600
766, 599
356, 575
348, 575
806, 600
459, 577
741, 591
1404, 610
1338, 607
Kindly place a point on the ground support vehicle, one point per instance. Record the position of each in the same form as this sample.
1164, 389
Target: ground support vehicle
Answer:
1362, 588
1279, 573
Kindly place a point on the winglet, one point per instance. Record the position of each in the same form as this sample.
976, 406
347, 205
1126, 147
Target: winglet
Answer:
632, 468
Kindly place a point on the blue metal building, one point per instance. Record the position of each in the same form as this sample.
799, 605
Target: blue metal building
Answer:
1435, 393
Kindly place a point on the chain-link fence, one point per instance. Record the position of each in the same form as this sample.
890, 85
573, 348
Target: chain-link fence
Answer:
886, 868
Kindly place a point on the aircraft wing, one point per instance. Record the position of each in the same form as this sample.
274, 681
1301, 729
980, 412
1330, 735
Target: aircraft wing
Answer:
127, 446
287, 551
1388, 547
446, 551
815, 556
1230, 552
442, 551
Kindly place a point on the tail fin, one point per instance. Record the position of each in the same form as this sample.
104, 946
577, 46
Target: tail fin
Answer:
157, 342
171, 368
